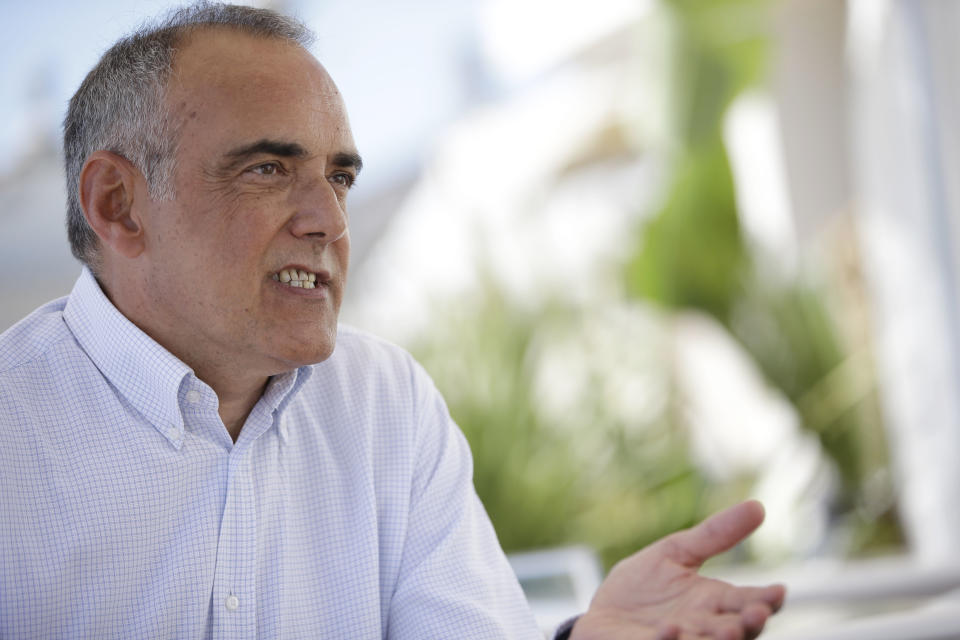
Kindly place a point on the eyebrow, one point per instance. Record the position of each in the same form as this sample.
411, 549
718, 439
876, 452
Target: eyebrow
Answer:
348, 160
272, 147
288, 150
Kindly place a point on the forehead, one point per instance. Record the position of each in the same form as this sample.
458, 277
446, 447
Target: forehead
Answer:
234, 84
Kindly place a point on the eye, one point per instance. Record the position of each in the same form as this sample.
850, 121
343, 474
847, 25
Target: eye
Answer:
344, 179
267, 169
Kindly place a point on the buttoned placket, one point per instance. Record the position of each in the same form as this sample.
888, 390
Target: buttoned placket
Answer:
234, 588
235, 580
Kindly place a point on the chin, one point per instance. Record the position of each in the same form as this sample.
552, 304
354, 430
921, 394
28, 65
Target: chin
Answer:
302, 354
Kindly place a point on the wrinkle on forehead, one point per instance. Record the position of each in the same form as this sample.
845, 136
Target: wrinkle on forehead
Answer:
223, 77
224, 57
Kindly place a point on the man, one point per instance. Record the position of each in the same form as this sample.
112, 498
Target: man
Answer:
189, 447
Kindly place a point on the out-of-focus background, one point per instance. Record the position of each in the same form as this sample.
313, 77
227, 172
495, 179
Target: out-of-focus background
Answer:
659, 256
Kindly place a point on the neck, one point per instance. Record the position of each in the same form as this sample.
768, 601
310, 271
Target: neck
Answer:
237, 388
237, 396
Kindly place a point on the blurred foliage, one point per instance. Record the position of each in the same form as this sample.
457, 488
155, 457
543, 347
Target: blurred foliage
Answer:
596, 469
691, 255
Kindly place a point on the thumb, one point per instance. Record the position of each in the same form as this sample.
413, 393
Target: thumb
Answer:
714, 535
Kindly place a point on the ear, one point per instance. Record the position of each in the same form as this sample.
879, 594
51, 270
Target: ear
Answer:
107, 189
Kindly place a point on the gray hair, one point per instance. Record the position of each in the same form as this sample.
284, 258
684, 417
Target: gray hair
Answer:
120, 106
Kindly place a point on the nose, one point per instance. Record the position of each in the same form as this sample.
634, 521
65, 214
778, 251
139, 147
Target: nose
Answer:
320, 212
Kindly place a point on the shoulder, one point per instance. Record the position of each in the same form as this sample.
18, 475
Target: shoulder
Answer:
353, 343
364, 355
33, 336
370, 372
35, 378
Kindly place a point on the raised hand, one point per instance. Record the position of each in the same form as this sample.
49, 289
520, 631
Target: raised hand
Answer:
657, 594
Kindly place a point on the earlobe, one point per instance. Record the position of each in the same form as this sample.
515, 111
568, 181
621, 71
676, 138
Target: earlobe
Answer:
107, 190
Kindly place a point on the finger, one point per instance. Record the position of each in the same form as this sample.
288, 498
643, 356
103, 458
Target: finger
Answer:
672, 631
737, 598
724, 626
754, 618
774, 595
730, 631
716, 534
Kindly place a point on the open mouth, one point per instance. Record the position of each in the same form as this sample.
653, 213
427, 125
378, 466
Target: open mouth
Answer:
296, 278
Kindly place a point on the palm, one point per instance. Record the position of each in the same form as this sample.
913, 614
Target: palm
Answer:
657, 593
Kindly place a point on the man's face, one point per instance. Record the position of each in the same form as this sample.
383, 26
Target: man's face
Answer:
264, 164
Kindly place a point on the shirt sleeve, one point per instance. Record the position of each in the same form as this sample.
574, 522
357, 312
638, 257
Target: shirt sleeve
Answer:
454, 581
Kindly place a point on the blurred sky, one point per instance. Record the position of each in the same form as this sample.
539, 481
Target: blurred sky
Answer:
405, 69
400, 67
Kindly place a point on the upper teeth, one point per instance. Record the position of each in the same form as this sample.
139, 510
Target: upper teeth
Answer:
296, 278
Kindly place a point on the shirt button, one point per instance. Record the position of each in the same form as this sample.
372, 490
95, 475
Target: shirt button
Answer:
232, 603
193, 397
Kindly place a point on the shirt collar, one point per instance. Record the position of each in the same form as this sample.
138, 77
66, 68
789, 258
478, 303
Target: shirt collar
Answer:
268, 412
141, 370
283, 387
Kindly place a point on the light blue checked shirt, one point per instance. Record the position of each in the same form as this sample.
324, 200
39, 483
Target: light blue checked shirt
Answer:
344, 510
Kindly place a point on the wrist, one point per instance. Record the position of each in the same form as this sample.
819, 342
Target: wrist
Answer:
566, 629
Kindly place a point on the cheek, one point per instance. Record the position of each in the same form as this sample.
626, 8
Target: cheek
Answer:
341, 254
235, 236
